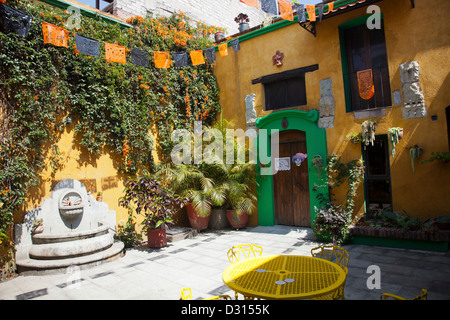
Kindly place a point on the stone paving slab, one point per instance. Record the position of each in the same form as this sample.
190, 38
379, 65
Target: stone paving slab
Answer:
198, 262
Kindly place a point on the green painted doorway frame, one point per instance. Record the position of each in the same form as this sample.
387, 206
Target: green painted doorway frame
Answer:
316, 144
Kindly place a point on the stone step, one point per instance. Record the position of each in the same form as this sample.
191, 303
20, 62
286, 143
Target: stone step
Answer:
33, 266
179, 233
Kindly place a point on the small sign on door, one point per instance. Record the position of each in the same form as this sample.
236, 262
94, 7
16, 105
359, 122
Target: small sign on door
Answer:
283, 164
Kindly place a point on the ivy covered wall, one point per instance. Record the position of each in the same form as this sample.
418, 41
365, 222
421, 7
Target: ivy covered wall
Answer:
105, 110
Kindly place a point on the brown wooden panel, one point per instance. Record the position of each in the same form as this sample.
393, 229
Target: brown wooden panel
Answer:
283, 191
291, 188
301, 208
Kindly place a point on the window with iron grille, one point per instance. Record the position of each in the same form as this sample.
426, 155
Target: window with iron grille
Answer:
364, 49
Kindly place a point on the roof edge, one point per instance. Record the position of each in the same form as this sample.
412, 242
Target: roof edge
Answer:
89, 13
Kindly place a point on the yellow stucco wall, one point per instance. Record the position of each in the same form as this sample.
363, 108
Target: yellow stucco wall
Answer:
421, 34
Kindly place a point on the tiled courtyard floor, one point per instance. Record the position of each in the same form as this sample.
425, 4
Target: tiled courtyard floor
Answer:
199, 262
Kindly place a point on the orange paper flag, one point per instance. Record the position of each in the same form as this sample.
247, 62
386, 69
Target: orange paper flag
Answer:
311, 9
223, 49
286, 10
252, 3
54, 35
115, 53
197, 57
162, 59
365, 84
330, 6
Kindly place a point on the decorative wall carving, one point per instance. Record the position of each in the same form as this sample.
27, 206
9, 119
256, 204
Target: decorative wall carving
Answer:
413, 98
326, 104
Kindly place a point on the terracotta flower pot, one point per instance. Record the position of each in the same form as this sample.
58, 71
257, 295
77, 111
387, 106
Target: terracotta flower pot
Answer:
237, 221
219, 36
198, 223
157, 238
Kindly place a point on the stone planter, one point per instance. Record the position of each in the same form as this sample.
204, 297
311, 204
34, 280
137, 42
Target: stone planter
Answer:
218, 219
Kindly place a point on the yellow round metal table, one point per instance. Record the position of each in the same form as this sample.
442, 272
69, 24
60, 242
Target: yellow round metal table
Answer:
284, 277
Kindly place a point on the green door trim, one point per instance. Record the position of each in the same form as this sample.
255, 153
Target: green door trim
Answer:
316, 144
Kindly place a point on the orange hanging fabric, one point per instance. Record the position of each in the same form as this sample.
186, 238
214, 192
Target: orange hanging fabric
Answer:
286, 10
197, 57
330, 6
252, 3
365, 84
311, 9
223, 49
55, 35
115, 53
162, 59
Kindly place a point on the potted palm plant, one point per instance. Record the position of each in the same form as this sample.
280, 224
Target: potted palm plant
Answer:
156, 202
194, 182
240, 194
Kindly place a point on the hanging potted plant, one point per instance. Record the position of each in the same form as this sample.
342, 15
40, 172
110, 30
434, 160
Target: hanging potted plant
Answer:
243, 20
395, 134
415, 152
368, 132
156, 202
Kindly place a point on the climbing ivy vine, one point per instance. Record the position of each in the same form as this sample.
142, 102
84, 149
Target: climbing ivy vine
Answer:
111, 107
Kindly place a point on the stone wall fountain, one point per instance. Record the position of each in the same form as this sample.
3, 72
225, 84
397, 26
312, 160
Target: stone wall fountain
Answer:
69, 229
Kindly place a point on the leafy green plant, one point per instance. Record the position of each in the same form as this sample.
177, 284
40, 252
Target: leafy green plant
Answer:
354, 137
213, 182
332, 221
127, 233
335, 219
368, 132
400, 220
442, 156
395, 134
147, 196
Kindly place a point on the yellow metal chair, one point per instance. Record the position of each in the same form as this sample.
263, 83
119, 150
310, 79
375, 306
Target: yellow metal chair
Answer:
244, 251
186, 294
219, 297
241, 252
387, 296
337, 255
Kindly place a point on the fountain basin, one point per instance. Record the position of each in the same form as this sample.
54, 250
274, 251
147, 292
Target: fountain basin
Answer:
76, 231
69, 249
72, 236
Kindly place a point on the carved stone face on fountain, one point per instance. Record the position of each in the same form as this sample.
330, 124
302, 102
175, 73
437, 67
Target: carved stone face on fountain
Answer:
70, 205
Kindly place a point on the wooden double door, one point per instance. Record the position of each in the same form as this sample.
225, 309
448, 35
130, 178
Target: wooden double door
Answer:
291, 182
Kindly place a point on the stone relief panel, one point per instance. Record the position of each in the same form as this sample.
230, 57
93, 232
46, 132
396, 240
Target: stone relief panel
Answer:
413, 98
326, 104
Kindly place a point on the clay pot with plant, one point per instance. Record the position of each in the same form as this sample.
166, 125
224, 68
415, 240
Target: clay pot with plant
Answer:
148, 196
195, 183
242, 19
